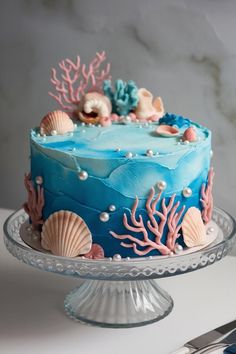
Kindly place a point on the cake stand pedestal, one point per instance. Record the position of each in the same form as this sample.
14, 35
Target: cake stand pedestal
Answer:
121, 292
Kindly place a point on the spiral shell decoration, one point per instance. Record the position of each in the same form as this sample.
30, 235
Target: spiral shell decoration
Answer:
96, 252
167, 131
94, 107
147, 108
56, 122
194, 232
66, 234
190, 135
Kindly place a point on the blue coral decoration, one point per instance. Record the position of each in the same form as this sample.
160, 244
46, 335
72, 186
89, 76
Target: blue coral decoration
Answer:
172, 119
124, 97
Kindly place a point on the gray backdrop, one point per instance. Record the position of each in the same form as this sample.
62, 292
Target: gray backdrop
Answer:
183, 50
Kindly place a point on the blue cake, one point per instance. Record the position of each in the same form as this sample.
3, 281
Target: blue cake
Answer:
128, 178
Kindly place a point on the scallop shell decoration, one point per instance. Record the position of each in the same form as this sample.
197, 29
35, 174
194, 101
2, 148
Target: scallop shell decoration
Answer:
96, 252
66, 234
167, 131
190, 135
93, 107
194, 232
56, 122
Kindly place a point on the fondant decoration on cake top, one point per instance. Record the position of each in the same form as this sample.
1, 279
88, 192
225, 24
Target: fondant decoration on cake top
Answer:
172, 119
147, 108
95, 108
207, 197
77, 79
124, 97
167, 131
193, 229
35, 203
190, 135
168, 215
96, 252
66, 234
56, 123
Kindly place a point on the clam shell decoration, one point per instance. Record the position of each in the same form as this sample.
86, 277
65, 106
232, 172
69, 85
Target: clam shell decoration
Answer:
167, 131
93, 107
66, 234
194, 232
56, 122
190, 135
147, 108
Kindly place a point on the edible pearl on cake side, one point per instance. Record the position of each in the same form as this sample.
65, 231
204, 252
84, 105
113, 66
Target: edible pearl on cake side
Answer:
112, 207
149, 153
83, 175
129, 155
39, 180
53, 132
187, 192
210, 230
104, 217
161, 185
211, 153
118, 149
126, 120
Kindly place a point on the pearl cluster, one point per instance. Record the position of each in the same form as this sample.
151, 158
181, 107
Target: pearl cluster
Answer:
104, 216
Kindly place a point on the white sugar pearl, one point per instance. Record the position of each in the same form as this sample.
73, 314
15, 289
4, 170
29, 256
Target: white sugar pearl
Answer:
83, 175
112, 207
187, 192
39, 180
161, 185
104, 217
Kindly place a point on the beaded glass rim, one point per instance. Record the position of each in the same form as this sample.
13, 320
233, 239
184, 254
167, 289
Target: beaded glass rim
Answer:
120, 269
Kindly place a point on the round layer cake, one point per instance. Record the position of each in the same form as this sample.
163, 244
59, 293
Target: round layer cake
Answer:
131, 182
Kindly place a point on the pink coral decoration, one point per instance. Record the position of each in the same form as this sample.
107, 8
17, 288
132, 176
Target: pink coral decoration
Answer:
76, 79
207, 198
96, 252
168, 216
35, 203
190, 135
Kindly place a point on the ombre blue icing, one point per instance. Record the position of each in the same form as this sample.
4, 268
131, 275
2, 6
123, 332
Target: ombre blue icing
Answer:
114, 179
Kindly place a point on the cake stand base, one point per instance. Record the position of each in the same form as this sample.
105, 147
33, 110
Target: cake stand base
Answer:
118, 304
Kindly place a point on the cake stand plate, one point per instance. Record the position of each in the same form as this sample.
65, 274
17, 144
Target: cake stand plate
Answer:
120, 292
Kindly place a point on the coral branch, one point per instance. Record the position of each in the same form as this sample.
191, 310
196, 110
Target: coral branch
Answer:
168, 215
207, 198
88, 79
35, 203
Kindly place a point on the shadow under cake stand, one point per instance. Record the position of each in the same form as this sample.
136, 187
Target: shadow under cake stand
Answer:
120, 292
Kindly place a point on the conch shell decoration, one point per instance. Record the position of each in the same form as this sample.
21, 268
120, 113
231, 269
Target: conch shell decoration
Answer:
147, 108
66, 234
95, 108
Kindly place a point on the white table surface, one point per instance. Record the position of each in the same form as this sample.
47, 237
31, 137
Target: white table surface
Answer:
32, 319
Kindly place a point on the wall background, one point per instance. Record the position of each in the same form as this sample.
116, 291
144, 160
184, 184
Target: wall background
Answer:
183, 50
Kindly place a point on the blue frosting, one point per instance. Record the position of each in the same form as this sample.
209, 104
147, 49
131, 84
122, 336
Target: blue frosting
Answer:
124, 97
114, 179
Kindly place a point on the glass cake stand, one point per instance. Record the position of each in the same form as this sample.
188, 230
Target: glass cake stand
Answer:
119, 292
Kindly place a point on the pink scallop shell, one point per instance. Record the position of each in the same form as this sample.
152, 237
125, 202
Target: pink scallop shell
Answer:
190, 135
167, 131
96, 252
58, 121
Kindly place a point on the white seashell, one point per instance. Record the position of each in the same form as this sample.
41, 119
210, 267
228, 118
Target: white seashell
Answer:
194, 231
147, 108
66, 234
56, 121
93, 107
167, 131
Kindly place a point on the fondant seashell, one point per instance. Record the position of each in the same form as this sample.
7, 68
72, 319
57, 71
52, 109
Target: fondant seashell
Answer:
167, 131
190, 135
96, 252
147, 108
93, 107
193, 229
56, 122
66, 234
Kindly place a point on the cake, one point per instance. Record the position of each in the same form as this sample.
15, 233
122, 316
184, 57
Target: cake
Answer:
112, 174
